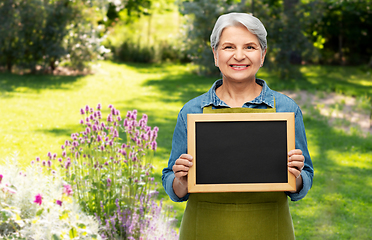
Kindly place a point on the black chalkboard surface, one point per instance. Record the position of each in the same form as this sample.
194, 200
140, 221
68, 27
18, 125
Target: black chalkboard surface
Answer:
240, 152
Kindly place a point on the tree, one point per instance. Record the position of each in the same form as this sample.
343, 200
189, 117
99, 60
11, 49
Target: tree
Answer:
344, 27
46, 32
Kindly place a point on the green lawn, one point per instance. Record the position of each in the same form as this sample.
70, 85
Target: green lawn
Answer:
38, 113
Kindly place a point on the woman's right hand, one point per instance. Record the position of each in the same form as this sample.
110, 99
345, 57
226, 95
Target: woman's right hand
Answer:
181, 169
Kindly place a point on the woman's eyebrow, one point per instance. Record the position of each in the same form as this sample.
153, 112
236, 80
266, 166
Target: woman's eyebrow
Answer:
251, 43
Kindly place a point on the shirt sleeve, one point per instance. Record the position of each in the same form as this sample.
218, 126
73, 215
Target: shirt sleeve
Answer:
179, 146
308, 170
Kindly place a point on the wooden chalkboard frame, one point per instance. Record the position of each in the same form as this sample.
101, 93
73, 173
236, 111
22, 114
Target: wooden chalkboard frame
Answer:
193, 119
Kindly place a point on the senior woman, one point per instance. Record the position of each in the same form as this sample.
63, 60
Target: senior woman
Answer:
239, 45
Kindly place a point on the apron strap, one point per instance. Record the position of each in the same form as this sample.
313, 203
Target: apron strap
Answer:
209, 109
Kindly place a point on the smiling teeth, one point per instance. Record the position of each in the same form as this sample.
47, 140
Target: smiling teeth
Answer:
234, 66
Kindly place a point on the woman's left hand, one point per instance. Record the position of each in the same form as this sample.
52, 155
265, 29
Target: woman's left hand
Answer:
296, 162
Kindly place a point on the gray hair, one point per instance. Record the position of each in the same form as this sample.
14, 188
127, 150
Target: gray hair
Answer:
253, 24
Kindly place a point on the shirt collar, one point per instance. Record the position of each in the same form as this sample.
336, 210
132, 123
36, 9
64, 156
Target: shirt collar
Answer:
266, 96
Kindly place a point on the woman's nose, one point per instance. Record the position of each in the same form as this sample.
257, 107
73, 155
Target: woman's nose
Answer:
239, 55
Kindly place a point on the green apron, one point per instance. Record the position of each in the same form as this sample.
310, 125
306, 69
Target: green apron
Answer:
242, 215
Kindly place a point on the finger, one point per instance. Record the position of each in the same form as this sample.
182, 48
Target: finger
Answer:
296, 158
178, 168
294, 152
186, 156
295, 172
297, 165
184, 162
180, 174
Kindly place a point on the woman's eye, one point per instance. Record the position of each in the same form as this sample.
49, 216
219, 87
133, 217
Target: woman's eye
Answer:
250, 48
228, 47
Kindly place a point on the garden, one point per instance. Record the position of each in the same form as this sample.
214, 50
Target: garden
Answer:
82, 151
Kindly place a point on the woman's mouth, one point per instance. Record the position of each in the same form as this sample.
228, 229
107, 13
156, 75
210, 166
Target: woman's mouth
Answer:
239, 66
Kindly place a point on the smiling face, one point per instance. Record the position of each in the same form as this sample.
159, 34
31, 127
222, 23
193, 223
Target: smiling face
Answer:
238, 54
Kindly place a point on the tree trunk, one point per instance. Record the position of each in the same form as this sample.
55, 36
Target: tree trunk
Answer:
9, 64
289, 11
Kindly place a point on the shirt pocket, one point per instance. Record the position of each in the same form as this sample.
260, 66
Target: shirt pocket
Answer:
237, 221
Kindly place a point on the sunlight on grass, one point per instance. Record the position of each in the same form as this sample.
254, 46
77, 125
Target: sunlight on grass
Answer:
40, 112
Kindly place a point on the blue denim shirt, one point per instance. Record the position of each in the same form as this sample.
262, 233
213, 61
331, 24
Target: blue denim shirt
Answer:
265, 99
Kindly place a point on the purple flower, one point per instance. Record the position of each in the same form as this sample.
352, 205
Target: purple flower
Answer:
44, 163
67, 189
81, 121
49, 163
59, 202
87, 108
1, 178
67, 164
82, 111
153, 145
110, 106
38, 199
124, 152
99, 106
64, 154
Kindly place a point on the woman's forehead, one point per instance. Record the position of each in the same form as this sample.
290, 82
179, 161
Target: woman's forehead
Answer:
237, 33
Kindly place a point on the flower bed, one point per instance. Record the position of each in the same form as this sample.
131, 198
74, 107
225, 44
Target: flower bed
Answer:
102, 182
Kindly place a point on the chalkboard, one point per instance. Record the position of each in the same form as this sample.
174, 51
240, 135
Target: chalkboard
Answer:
239, 152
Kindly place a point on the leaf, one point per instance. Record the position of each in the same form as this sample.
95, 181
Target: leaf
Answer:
64, 215
38, 213
82, 225
73, 233
55, 237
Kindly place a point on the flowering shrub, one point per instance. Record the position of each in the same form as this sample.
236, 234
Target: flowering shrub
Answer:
35, 206
111, 178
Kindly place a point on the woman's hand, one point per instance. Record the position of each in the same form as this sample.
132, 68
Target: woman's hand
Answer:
181, 169
295, 166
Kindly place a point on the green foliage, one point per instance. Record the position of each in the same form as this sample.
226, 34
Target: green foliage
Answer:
45, 33
345, 27
150, 38
321, 31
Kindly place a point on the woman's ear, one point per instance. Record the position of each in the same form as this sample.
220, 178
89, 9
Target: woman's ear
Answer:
215, 57
263, 57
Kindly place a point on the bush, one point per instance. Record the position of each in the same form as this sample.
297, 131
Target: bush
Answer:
45, 33
37, 206
113, 180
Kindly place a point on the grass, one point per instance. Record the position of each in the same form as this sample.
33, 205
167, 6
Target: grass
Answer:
38, 113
